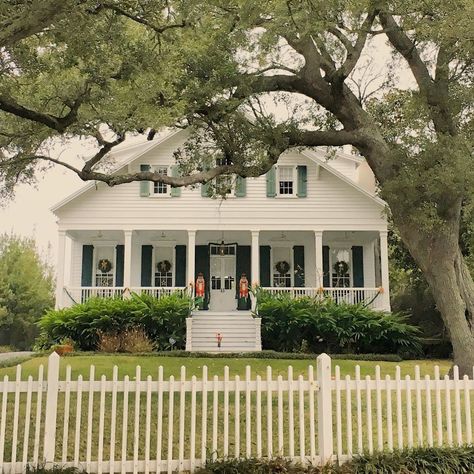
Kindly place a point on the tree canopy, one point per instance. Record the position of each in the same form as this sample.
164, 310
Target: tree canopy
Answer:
223, 68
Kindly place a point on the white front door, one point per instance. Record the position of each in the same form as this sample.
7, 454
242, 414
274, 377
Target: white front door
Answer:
222, 283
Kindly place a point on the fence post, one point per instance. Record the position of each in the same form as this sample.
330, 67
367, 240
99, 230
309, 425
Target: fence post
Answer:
51, 409
324, 409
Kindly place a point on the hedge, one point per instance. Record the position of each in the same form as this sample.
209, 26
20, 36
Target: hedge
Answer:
312, 325
161, 319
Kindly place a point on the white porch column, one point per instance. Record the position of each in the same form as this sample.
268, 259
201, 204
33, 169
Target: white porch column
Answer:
127, 259
255, 258
384, 269
61, 262
255, 263
190, 261
318, 241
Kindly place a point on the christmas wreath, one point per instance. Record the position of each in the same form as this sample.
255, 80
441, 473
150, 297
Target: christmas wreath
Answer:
282, 267
105, 265
341, 268
164, 266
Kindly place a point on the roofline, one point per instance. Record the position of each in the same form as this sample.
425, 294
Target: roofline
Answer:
313, 156
92, 184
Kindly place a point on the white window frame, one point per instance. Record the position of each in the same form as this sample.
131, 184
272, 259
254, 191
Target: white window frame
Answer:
294, 180
331, 263
155, 262
95, 261
153, 194
290, 246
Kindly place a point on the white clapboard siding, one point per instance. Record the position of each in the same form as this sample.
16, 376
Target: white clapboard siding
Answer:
330, 201
149, 423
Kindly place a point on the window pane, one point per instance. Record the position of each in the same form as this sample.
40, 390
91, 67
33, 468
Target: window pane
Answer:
286, 180
161, 188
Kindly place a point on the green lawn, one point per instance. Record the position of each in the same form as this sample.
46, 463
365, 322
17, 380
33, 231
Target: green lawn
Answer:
172, 366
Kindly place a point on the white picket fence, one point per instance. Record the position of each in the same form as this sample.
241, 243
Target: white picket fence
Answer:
156, 425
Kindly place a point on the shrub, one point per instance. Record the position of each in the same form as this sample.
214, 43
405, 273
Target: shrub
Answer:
109, 341
160, 319
327, 326
135, 340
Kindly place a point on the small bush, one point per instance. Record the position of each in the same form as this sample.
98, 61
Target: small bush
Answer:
109, 342
160, 319
135, 340
4, 349
288, 325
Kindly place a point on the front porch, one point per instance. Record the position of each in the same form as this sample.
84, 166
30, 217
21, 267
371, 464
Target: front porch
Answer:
349, 266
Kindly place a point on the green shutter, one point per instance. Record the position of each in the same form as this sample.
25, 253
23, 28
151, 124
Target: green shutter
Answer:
264, 265
119, 257
202, 265
175, 192
298, 261
205, 190
302, 181
144, 185
242, 265
326, 272
180, 266
147, 252
240, 187
271, 182
87, 258
358, 266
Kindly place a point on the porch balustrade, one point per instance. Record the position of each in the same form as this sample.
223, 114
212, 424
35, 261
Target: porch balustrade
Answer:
368, 296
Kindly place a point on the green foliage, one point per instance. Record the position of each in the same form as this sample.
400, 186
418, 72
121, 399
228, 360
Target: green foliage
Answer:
161, 320
26, 291
458, 460
332, 327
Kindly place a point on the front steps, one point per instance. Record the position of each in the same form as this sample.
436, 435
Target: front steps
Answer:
240, 332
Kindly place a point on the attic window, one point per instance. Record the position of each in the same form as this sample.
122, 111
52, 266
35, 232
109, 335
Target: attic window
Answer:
161, 188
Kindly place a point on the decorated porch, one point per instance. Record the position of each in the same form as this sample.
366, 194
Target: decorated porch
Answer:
218, 265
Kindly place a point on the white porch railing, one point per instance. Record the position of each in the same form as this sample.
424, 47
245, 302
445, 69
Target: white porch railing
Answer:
82, 293
370, 296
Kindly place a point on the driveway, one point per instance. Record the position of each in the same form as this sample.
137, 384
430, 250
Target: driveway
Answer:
6, 356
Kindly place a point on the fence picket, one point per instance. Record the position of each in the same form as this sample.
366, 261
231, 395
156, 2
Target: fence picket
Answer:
100, 448
3, 422
147, 424
388, 389
237, 417
192, 437
312, 429
136, 419
360, 448
90, 414
291, 419
16, 413
439, 412
215, 416
77, 431
280, 415
159, 421
248, 406
226, 412
398, 381
182, 407
26, 434
378, 403
429, 414
125, 424
419, 414
467, 409
409, 411
337, 375
269, 413
348, 415
204, 415
368, 393
457, 405
449, 423
301, 417
169, 465
67, 397
258, 416
113, 412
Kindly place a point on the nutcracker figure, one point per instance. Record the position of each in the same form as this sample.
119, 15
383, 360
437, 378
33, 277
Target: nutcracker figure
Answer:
243, 295
200, 290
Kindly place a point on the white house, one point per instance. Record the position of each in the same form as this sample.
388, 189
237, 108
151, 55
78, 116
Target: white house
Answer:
310, 226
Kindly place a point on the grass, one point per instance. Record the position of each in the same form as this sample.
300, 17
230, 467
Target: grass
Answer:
172, 365
149, 366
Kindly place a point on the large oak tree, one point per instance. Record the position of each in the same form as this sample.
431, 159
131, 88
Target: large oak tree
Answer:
105, 69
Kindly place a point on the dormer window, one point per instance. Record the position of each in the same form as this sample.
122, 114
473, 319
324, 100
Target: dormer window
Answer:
161, 189
286, 180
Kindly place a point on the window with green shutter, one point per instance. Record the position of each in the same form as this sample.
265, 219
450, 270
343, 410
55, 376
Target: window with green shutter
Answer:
271, 182
144, 185
240, 187
302, 181
175, 192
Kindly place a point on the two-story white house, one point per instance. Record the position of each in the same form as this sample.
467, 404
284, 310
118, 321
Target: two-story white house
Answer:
310, 226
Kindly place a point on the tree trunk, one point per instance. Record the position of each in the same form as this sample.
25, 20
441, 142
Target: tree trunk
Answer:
445, 270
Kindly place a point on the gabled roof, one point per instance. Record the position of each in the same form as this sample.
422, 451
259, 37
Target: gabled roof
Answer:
319, 158
127, 154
